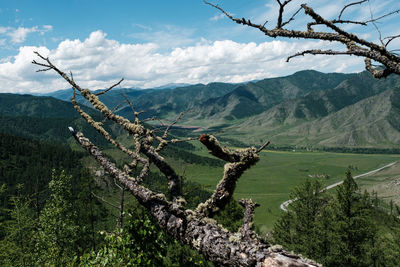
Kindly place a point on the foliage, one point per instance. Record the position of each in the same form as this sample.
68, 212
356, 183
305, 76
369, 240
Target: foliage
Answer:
297, 228
231, 217
343, 230
141, 243
17, 245
58, 233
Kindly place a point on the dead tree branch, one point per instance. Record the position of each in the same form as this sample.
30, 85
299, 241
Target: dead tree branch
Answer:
111, 87
354, 44
349, 5
189, 227
249, 207
194, 228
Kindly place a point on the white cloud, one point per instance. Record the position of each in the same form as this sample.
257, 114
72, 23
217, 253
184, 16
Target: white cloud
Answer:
47, 28
218, 17
19, 35
141, 26
97, 62
3, 29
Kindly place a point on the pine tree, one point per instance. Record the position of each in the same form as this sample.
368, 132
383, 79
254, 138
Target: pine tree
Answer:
58, 237
16, 248
352, 226
297, 229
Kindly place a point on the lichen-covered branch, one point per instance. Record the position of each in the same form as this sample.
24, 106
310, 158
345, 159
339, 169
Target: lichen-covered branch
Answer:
194, 228
249, 207
238, 162
213, 241
135, 129
353, 43
104, 133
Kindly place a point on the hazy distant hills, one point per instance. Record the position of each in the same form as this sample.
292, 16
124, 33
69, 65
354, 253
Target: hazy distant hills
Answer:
307, 108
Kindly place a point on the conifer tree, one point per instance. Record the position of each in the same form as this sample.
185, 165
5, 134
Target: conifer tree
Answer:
297, 229
58, 236
352, 224
16, 248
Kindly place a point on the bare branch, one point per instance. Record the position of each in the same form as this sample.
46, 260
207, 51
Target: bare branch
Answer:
111, 87
376, 73
319, 52
113, 110
281, 10
390, 38
104, 133
172, 124
136, 114
105, 201
355, 45
335, 21
134, 129
397, 11
149, 119
349, 5
291, 18
190, 228
220, 9
50, 66
143, 194
263, 146
216, 150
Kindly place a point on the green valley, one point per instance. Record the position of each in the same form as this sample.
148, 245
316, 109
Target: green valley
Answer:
302, 115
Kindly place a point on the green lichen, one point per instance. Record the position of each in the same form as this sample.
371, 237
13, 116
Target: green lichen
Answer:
236, 237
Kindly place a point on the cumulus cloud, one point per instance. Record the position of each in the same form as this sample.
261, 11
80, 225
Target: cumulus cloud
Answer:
97, 62
18, 35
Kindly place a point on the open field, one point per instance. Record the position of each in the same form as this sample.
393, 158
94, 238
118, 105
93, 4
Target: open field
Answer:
386, 183
269, 182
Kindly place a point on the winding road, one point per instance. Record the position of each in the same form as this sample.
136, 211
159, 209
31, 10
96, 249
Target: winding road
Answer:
285, 204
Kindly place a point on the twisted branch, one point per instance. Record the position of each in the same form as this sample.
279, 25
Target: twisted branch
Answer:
187, 226
354, 44
238, 162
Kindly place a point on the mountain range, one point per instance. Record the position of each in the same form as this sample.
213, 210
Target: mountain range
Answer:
308, 109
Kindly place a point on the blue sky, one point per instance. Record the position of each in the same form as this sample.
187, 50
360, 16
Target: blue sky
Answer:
156, 42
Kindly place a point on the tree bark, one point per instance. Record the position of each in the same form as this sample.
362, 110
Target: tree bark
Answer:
201, 233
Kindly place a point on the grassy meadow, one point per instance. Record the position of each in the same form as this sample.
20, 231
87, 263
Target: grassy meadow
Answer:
270, 182
385, 182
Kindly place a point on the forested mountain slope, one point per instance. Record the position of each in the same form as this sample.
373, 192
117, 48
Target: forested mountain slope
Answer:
307, 108
42, 118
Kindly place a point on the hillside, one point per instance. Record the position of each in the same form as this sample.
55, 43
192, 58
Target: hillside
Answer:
43, 118
254, 98
35, 106
308, 108
372, 122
